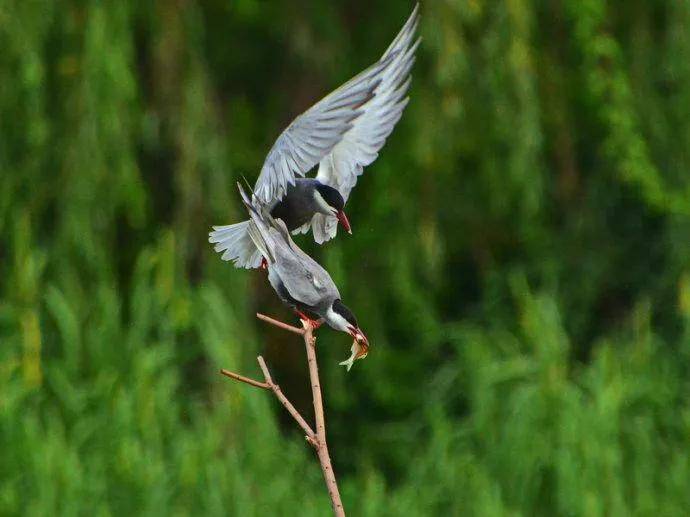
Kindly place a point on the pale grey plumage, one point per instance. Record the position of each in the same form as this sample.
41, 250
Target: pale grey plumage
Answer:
360, 146
296, 209
299, 280
342, 133
313, 134
350, 125
288, 266
235, 244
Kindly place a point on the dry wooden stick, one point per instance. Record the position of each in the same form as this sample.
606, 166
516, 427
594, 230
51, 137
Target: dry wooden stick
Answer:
311, 436
279, 324
242, 378
316, 439
322, 449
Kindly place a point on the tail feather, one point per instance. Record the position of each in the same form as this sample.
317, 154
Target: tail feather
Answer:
260, 243
258, 229
236, 245
265, 217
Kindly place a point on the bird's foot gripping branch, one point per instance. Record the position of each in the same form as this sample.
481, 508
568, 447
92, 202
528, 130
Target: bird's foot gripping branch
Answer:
316, 438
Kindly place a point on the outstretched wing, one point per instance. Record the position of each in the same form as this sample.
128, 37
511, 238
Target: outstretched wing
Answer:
314, 133
361, 144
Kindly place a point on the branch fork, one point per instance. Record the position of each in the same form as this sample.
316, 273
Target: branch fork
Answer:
316, 439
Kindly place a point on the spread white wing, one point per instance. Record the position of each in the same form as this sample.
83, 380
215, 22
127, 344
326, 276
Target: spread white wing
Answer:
314, 133
343, 133
360, 145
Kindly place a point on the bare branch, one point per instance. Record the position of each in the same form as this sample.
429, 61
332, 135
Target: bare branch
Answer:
242, 378
285, 402
279, 324
322, 450
315, 439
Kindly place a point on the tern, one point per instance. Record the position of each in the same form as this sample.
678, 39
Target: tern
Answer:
342, 133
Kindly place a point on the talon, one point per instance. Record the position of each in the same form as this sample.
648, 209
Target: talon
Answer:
309, 321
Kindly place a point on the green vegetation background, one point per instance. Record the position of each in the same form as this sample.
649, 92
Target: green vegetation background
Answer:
520, 261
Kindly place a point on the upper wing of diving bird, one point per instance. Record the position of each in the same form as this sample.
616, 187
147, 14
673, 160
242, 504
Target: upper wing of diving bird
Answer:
360, 145
314, 133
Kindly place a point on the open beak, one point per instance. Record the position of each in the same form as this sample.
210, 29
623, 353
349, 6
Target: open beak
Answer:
342, 218
362, 342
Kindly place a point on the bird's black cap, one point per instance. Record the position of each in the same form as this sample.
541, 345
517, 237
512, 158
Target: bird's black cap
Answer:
342, 309
331, 196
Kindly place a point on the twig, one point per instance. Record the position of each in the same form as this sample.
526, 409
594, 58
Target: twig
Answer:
311, 436
270, 385
322, 449
279, 324
316, 439
242, 378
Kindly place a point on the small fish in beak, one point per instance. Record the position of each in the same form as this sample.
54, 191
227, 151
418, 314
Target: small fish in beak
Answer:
359, 349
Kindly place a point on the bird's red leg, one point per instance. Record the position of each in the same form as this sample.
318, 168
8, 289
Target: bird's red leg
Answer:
264, 263
313, 323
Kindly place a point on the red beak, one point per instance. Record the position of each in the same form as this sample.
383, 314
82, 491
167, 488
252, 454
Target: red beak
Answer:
359, 337
363, 344
342, 218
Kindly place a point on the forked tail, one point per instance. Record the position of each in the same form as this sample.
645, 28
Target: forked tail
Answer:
257, 228
235, 244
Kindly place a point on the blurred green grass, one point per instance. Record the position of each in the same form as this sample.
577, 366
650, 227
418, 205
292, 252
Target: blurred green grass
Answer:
521, 261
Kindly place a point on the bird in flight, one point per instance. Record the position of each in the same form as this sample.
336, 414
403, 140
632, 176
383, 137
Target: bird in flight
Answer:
342, 133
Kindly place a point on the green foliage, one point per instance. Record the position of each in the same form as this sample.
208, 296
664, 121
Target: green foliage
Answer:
521, 261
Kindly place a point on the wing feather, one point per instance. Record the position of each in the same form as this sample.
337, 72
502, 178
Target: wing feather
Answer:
314, 133
360, 145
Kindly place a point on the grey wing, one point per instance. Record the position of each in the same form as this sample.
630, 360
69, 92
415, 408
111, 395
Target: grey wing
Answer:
314, 133
361, 144
305, 280
303, 277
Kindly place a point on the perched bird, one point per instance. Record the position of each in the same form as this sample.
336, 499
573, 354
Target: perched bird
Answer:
342, 133
299, 280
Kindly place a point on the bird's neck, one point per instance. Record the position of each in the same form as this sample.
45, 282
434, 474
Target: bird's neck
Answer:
336, 321
321, 205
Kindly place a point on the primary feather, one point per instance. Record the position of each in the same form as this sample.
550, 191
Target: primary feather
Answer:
361, 144
346, 129
342, 133
313, 134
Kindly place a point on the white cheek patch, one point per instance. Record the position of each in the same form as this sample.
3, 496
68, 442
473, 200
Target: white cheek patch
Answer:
337, 321
324, 207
